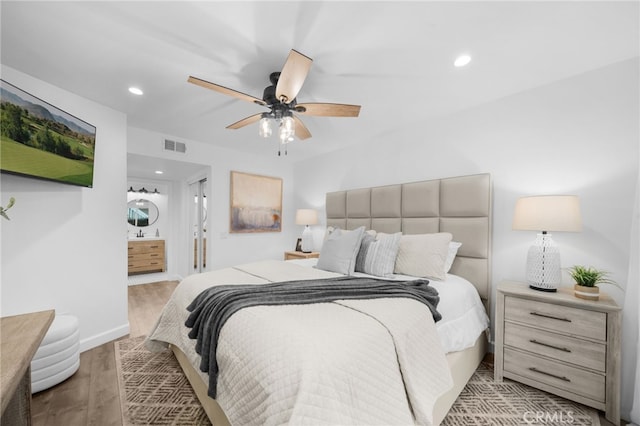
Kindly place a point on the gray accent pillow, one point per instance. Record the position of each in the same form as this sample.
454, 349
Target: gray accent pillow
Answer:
367, 239
340, 250
380, 255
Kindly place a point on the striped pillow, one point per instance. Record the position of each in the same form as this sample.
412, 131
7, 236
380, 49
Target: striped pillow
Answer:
364, 249
379, 255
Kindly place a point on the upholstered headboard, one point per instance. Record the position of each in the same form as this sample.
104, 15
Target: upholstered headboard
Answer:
459, 205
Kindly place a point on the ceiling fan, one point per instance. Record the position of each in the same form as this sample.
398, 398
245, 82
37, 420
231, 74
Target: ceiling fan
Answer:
280, 98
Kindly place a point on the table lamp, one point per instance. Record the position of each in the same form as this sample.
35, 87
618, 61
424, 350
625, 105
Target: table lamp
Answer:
307, 217
546, 213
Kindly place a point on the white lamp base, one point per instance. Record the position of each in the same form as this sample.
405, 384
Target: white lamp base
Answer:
307, 240
543, 264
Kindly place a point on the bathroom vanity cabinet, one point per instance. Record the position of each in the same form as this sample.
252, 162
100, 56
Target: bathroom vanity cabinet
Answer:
146, 256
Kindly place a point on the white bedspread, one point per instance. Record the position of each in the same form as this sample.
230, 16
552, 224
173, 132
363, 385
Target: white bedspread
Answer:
348, 362
464, 316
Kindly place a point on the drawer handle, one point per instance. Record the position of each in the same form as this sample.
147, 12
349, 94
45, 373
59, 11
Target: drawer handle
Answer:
550, 346
535, 370
550, 316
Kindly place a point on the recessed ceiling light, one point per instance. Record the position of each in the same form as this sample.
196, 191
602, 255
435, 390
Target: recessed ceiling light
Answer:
159, 172
462, 60
135, 90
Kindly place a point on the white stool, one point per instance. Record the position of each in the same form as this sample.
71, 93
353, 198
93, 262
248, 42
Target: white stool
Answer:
58, 356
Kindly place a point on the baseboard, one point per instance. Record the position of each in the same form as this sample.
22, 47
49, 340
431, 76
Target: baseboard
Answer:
102, 338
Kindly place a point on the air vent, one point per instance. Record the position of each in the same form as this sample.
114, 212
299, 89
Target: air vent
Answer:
170, 145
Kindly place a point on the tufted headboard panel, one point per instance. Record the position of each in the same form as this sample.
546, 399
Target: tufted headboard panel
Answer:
459, 205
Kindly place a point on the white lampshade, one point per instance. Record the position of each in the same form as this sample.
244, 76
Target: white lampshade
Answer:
546, 213
306, 217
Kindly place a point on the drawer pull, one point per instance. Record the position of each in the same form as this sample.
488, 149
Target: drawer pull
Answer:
535, 370
550, 346
550, 316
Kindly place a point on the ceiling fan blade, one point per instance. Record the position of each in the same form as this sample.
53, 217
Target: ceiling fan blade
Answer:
328, 110
301, 130
225, 90
245, 121
292, 76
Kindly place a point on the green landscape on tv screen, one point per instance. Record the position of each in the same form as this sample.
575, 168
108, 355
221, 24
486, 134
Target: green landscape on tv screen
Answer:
42, 141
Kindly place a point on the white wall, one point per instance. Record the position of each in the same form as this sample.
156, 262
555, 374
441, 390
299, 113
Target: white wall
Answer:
226, 249
64, 248
577, 136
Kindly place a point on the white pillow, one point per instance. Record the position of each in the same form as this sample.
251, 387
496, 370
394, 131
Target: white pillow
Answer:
380, 255
331, 229
451, 255
423, 255
339, 251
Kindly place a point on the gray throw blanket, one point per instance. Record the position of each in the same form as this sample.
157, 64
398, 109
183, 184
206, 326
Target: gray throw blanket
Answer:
211, 308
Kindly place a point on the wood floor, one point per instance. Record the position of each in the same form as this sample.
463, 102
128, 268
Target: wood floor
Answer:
90, 396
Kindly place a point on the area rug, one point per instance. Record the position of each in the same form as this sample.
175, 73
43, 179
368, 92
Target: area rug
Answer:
486, 402
153, 388
154, 391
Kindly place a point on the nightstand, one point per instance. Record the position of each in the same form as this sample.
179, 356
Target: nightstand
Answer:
560, 344
288, 255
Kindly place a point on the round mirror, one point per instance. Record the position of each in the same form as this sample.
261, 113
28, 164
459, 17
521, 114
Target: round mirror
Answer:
142, 212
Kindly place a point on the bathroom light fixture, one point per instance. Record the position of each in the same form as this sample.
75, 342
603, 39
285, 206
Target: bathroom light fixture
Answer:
546, 213
135, 91
143, 190
159, 172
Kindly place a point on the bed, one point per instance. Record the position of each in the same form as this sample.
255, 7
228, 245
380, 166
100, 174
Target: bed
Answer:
399, 372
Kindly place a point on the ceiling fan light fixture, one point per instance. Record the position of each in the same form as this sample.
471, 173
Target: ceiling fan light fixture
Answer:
287, 129
264, 128
281, 98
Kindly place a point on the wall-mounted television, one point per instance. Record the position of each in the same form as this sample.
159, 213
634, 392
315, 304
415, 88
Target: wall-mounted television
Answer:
42, 141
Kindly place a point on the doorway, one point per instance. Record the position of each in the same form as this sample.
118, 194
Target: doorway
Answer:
198, 225
178, 213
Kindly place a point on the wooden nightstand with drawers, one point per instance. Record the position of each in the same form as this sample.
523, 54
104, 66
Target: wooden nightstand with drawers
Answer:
558, 343
288, 255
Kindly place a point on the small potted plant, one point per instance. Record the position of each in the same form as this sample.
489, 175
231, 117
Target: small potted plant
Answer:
587, 280
3, 210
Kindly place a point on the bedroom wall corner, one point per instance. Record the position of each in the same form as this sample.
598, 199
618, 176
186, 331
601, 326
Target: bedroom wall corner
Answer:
64, 248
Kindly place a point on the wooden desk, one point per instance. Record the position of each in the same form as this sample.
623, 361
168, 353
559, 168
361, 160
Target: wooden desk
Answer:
21, 336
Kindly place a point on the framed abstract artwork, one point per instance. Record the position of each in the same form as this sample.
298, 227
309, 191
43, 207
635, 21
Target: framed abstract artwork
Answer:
256, 203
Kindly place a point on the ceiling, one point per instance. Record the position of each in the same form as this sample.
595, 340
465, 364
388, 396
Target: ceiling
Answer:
393, 58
